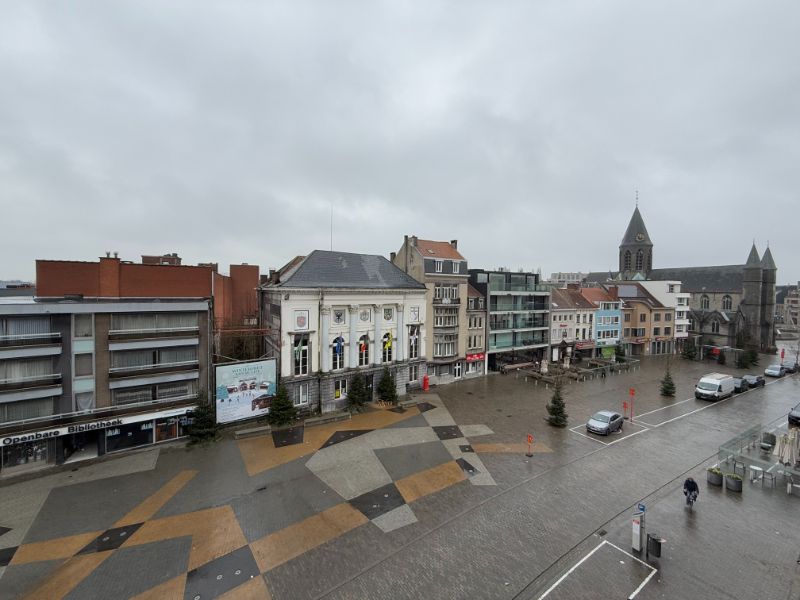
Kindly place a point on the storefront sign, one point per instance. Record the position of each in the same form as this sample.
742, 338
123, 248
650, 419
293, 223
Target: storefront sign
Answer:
475, 357
35, 436
584, 345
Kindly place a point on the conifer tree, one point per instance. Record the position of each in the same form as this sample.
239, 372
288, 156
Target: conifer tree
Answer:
387, 390
203, 429
281, 410
667, 385
689, 350
357, 395
557, 408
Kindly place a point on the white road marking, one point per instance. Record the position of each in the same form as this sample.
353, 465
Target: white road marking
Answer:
575, 566
664, 407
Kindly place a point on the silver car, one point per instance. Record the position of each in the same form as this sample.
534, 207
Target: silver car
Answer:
604, 422
775, 371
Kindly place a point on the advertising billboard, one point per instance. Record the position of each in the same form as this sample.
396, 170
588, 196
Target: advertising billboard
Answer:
244, 390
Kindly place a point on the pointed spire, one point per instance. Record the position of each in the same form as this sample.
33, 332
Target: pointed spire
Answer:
767, 263
753, 261
636, 233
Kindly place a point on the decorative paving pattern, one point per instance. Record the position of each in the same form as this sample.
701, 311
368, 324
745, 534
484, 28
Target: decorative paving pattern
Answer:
4, 530
110, 539
466, 448
447, 432
378, 502
466, 467
425, 406
221, 574
6, 554
344, 435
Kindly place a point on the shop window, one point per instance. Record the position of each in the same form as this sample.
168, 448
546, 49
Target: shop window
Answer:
129, 436
26, 456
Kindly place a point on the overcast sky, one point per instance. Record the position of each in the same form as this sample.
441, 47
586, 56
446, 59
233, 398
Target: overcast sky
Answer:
226, 131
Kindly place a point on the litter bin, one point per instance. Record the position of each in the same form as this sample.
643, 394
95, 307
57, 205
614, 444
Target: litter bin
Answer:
654, 545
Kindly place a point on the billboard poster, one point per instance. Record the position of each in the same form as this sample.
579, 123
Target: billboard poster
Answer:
245, 390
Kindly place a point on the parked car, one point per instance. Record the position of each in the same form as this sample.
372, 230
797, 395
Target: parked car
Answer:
754, 380
794, 416
775, 371
604, 422
790, 367
740, 385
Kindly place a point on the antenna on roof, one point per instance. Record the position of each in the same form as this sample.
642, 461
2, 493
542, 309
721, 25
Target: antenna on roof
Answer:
637, 198
331, 225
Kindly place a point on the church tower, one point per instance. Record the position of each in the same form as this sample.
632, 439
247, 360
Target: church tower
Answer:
636, 249
768, 278
752, 285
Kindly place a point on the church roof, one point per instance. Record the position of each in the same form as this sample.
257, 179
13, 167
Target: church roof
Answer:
753, 260
767, 262
635, 227
324, 269
724, 278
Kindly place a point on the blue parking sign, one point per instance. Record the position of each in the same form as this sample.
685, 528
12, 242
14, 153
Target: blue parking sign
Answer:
641, 507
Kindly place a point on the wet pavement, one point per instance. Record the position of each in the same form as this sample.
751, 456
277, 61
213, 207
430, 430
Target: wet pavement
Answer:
438, 501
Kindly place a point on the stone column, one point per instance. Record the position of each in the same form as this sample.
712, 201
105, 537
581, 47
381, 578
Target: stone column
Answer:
376, 359
400, 338
325, 353
353, 314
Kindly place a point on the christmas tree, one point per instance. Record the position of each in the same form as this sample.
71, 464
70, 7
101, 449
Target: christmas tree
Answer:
689, 350
282, 410
667, 385
357, 396
556, 408
203, 429
387, 390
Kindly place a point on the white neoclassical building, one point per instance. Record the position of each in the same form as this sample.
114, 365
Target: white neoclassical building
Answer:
334, 316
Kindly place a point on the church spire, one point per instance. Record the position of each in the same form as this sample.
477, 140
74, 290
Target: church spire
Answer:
767, 263
753, 260
636, 234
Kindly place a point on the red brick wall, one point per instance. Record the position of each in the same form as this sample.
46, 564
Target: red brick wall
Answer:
244, 281
58, 278
164, 281
222, 300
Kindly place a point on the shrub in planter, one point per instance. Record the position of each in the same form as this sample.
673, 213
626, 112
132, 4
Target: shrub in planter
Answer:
733, 482
714, 476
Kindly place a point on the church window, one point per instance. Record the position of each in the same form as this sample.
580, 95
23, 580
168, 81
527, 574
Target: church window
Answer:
639, 260
726, 302
626, 264
714, 326
650, 261
704, 302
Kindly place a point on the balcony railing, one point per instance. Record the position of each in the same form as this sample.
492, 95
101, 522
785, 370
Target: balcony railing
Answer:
118, 334
455, 301
517, 306
517, 287
172, 366
30, 339
32, 381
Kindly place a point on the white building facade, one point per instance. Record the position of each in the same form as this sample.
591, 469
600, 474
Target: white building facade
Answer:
669, 294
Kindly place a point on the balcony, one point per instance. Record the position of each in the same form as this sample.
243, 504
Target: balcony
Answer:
495, 286
15, 384
446, 301
517, 321
150, 369
29, 339
517, 306
161, 332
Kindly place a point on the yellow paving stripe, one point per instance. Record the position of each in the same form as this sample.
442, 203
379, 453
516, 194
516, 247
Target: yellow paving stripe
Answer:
214, 531
255, 589
509, 448
260, 454
172, 589
149, 507
65, 547
429, 481
61, 582
286, 544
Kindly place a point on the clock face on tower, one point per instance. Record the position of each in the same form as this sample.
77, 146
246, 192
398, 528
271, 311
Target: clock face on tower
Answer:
639, 237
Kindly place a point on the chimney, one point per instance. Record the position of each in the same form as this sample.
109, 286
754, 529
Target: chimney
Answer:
108, 254
392, 256
116, 254
414, 241
454, 244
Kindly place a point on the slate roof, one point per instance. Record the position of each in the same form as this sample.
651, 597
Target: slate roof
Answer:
767, 262
723, 278
326, 269
635, 226
753, 260
432, 249
633, 291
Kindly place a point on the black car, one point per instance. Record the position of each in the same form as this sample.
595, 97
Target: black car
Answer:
790, 367
740, 384
754, 380
794, 416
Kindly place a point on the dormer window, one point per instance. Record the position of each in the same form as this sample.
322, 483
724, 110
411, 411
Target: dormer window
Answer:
439, 265
456, 266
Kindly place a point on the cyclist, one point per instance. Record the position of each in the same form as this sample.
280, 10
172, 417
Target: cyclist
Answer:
690, 490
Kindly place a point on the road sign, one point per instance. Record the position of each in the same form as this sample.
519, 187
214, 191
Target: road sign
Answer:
641, 507
631, 392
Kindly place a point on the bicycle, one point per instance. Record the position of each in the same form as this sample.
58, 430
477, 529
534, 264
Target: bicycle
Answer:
691, 498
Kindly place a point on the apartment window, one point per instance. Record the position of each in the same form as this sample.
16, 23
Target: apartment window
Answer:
444, 344
413, 341
627, 332
671, 288
627, 317
564, 333
84, 365
445, 317
667, 330
340, 388
337, 354
84, 401
656, 330
301, 398
642, 318
471, 303
301, 355
656, 316
726, 302
363, 351
554, 318
668, 316
456, 266
457, 370
413, 373
714, 326
449, 292
153, 321
439, 266
387, 347
704, 302
480, 302
84, 326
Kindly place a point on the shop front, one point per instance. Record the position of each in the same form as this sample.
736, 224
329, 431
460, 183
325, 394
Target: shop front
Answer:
475, 363
584, 349
29, 450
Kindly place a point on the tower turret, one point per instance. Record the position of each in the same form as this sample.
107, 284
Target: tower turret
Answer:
635, 249
751, 297
768, 279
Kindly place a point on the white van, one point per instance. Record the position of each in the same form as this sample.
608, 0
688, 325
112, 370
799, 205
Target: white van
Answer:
714, 386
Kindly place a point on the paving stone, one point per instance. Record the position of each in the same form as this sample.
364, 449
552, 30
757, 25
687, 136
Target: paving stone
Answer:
16, 580
468, 469
398, 409
379, 501
415, 421
4, 530
288, 437
221, 575
407, 460
6, 554
401, 516
425, 406
448, 432
135, 569
465, 448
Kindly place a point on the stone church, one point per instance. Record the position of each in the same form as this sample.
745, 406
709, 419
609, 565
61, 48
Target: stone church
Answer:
731, 305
